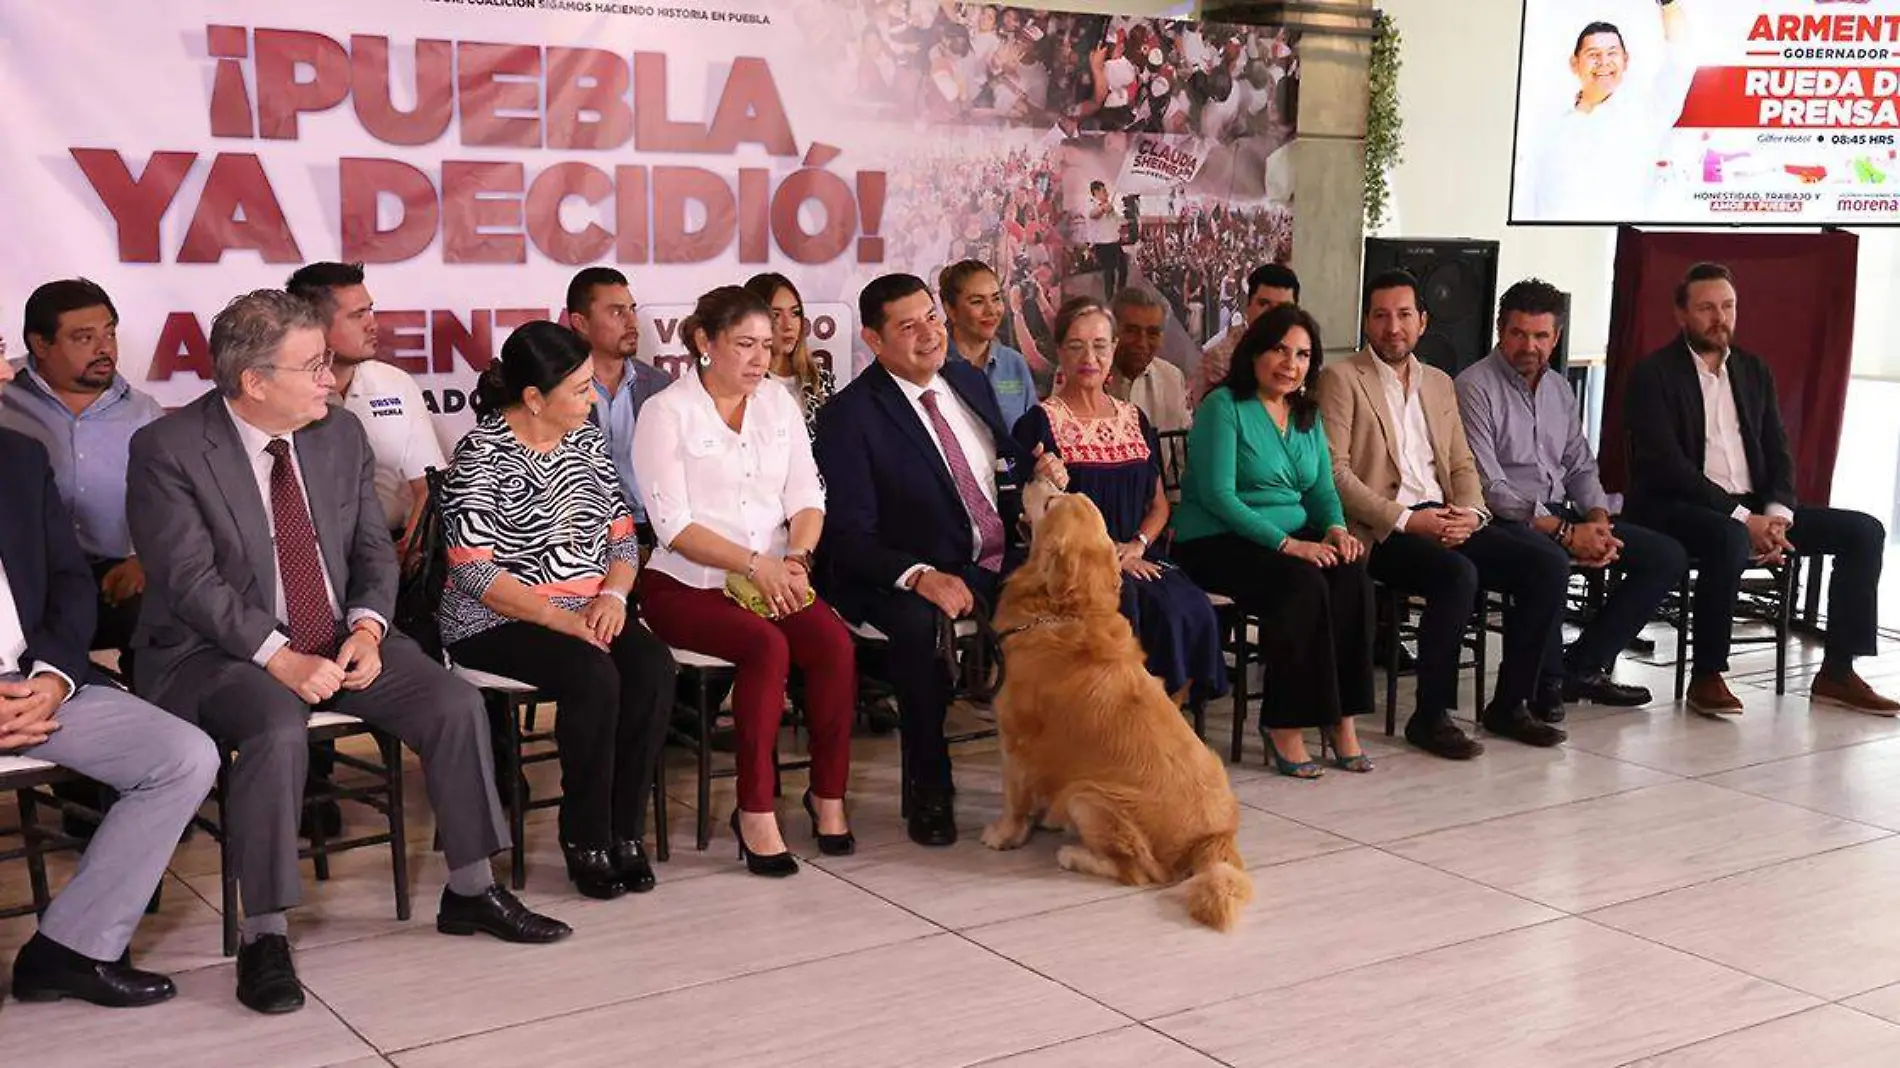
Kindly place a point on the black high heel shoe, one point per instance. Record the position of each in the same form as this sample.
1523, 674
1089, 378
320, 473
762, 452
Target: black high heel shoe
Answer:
831, 845
592, 872
775, 866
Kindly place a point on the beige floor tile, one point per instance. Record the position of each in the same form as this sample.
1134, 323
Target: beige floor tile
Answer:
1412, 796
1884, 1003
418, 987
1823, 924
934, 1001
967, 884
203, 1027
1613, 849
1684, 743
1829, 1035
1130, 1047
1141, 955
185, 934
1554, 996
1860, 782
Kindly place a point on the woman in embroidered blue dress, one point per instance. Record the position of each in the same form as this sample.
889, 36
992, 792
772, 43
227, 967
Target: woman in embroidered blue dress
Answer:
1113, 457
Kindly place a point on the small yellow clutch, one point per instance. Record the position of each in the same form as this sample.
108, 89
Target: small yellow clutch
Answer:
746, 594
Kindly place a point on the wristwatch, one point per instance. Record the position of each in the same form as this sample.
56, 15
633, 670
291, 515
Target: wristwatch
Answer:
1143, 539
802, 558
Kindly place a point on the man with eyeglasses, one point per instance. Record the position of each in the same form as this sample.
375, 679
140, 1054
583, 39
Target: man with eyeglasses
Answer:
273, 580
600, 308
383, 397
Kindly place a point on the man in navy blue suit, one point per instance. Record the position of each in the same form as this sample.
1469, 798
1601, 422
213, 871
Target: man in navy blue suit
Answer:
50, 709
923, 493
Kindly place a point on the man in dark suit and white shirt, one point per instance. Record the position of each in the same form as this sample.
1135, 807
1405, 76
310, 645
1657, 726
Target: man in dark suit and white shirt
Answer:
923, 492
270, 582
53, 709
1710, 467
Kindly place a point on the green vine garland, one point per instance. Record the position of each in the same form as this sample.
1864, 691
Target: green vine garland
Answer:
1385, 136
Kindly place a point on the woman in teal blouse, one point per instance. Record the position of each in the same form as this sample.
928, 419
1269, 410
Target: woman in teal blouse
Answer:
1260, 521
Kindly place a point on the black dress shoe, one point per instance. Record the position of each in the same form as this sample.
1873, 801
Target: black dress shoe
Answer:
1517, 724
44, 970
933, 819
1548, 705
496, 912
770, 865
633, 867
592, 872
266, 978
1438, 736
831, 845
1601, 689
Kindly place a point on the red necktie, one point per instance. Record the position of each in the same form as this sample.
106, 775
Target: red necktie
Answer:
989, 525
306, 599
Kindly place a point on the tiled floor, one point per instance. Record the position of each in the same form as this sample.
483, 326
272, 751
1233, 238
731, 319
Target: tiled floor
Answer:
1665, 891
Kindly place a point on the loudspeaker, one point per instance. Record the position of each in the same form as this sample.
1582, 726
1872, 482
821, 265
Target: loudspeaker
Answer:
1459, 280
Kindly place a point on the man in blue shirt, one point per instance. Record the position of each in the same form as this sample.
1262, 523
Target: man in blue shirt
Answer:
972, 297
1540, 483
600, 308
70, 391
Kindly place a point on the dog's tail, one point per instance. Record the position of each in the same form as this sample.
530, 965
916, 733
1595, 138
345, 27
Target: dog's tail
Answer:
1220, 886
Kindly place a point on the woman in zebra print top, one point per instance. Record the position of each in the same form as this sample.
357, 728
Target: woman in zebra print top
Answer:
541, 561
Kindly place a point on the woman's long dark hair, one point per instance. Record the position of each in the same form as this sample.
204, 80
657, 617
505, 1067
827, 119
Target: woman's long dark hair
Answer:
1266, 333
540, 354
766, 287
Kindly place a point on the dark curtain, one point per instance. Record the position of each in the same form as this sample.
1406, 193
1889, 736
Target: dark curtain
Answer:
1795, 310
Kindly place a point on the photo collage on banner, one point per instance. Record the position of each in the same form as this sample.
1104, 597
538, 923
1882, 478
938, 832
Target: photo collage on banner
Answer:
1709, 112
474, 154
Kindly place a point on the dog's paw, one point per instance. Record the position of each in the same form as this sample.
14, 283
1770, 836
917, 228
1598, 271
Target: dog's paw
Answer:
1006, 834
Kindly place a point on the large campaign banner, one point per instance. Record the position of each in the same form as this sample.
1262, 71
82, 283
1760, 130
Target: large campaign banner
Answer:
1709, 112
474, 154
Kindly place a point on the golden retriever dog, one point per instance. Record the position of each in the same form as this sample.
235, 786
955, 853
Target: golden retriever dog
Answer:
1091, 741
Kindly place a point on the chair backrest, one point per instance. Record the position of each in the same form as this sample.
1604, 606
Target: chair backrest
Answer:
425, 572
1173, 461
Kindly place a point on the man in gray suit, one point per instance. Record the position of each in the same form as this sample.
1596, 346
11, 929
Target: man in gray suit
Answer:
270, 583
50, 709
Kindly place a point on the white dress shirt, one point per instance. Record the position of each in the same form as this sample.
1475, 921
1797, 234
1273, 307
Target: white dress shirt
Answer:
744, 485
1724, 459
389, 404
1418, 476
13, 639
1161, 394
254, 442
1601, 165
979, 448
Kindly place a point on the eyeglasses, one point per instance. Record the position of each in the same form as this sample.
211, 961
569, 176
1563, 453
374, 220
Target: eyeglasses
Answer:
315, 369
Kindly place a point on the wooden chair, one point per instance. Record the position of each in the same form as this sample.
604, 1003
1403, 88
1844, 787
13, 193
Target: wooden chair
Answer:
383, 794
28, 779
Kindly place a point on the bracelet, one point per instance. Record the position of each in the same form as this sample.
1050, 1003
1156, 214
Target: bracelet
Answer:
1143, 539
616, 595
752, 566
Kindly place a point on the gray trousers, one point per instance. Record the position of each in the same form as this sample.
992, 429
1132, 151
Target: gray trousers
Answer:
162, 769
415, 699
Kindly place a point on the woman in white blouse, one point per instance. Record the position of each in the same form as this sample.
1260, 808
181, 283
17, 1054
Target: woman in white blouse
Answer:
734, 497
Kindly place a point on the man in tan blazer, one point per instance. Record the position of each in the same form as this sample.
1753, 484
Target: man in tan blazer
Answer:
1411, 489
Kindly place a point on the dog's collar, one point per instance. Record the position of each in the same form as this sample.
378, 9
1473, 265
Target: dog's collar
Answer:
1039, 621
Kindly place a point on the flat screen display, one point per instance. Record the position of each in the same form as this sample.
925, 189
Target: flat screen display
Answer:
1708, 113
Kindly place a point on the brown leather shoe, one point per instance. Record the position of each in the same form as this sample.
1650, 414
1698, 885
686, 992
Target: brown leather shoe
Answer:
1709, 695
1854, 693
